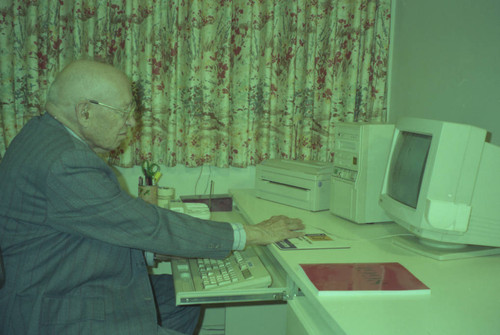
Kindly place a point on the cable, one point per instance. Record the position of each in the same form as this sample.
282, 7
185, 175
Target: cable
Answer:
199, 177
197, 180
208, 179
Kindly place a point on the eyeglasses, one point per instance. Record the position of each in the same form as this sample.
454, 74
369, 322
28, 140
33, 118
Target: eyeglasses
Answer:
125, 112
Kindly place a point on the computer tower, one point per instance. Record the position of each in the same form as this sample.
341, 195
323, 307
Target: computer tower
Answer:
360, 159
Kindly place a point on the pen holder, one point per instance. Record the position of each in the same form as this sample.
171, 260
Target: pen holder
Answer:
149, 194
165, 196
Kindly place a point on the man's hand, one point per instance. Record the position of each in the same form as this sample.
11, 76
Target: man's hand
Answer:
275, 229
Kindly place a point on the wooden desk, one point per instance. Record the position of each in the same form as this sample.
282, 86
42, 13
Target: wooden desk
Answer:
464, 299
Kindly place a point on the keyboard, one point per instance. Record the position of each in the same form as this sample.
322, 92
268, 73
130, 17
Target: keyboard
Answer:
241, 270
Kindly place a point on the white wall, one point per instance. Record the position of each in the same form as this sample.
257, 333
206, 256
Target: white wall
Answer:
192, 181
446, 62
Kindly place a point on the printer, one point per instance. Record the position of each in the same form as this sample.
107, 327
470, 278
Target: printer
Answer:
302, 184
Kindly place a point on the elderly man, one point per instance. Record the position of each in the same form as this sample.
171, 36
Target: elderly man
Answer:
73, 241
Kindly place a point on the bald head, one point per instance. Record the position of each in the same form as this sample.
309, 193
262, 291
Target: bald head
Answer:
94, 100
82, 80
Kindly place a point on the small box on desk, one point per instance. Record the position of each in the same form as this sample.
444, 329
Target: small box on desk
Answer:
215, 202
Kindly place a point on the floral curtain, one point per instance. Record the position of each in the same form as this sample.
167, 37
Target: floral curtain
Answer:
226, 83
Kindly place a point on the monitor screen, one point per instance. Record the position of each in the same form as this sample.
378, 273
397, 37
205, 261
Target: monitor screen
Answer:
407, 167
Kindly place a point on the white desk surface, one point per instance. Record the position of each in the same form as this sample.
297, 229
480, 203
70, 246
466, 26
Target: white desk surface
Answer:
465, 294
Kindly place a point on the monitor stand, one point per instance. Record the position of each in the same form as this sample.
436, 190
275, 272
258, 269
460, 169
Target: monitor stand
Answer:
443, 251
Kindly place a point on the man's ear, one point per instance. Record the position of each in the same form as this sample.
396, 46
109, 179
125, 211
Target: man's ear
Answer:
83, 114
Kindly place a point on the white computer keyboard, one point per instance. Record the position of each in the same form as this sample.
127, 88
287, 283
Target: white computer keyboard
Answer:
242, 269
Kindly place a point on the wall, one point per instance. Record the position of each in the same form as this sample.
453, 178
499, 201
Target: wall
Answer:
446, 62
192, 181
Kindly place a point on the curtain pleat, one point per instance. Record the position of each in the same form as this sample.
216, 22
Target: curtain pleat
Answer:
225, 83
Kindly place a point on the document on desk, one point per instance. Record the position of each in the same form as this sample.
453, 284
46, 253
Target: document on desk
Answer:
311, 241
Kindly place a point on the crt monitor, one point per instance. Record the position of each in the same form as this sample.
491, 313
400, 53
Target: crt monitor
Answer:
442, 183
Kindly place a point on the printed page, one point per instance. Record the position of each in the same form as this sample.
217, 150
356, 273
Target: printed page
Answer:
313, 239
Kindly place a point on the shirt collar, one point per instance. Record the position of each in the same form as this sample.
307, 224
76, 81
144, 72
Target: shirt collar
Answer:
74, 134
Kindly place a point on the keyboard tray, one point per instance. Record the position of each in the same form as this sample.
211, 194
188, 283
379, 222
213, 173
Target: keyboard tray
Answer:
269, 287
189, 293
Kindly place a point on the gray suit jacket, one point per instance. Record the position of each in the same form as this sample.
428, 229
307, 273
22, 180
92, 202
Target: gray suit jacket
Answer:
73, 241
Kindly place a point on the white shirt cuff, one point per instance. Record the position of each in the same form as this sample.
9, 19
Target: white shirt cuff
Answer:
240, 236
